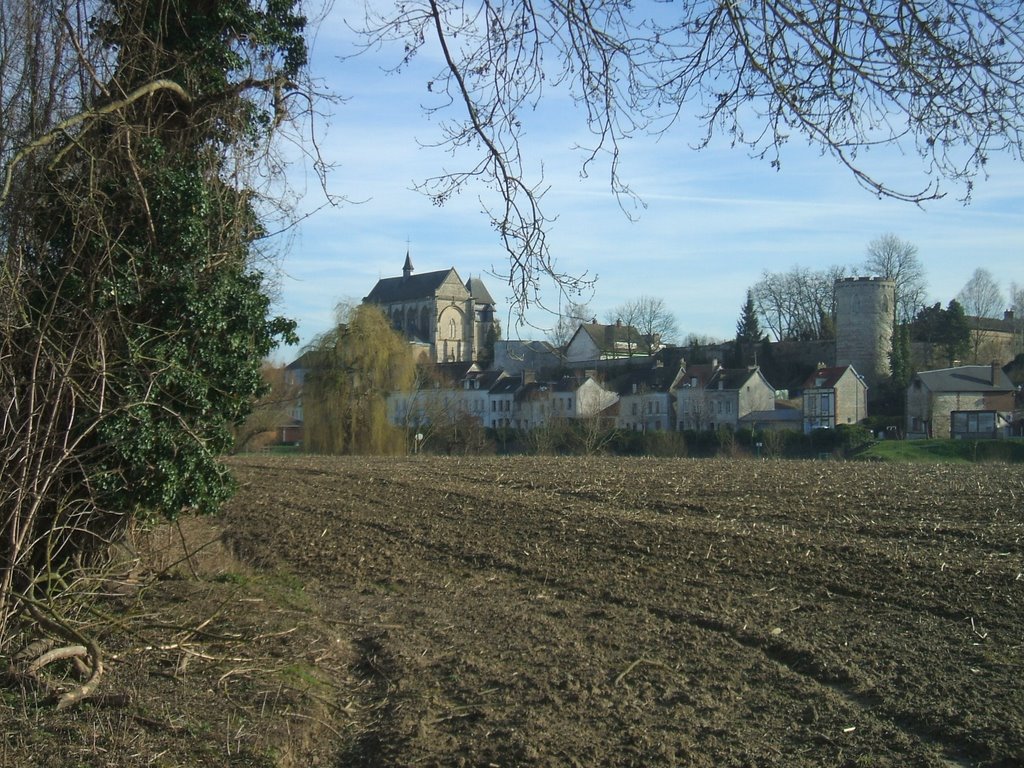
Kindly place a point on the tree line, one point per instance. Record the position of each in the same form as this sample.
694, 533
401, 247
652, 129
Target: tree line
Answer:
799, 305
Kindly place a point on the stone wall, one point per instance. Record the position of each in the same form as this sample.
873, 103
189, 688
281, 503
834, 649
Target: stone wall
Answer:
864, 321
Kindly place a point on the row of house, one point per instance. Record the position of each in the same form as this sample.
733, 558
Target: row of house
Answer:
649, 393
620, 377
962, 402
651, 398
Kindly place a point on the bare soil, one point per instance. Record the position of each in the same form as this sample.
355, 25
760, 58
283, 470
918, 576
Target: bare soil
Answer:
564, 612
490, 611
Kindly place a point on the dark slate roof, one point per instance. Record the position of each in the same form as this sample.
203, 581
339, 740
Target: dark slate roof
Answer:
644, 380
671, 356
445, 374
533, 391
408, 288
567, 384
703, 372
829, 377
605, 337
966, 378
484, 379
479, 291
731, 378
537, 347
507, 385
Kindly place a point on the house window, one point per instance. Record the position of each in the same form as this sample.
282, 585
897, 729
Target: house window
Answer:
634, 409
973, 423
826, 404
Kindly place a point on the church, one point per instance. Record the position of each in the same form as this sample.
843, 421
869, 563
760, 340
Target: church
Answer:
436, 309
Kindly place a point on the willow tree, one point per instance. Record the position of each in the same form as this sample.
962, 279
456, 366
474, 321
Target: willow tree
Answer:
135, 313
352, 369
939, 79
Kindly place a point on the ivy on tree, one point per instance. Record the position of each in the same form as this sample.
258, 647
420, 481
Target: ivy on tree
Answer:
135, 318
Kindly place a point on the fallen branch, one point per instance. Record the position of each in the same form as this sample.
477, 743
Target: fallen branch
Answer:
92, 651
57, 654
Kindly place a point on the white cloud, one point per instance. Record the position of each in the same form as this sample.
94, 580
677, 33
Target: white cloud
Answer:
714, 221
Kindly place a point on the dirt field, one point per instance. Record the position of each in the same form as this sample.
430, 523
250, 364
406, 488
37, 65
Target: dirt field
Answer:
569, 612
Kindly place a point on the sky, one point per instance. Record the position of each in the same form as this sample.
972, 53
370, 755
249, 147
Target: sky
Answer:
713, 221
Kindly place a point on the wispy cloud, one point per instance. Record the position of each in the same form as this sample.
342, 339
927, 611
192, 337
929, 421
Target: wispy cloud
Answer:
714, 220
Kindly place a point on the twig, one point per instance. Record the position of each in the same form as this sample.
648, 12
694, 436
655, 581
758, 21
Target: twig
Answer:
638, 662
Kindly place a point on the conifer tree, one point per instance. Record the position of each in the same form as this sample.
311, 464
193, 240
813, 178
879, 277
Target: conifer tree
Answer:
748, 332
748, 327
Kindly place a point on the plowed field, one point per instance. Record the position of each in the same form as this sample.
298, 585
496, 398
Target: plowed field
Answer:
593, 612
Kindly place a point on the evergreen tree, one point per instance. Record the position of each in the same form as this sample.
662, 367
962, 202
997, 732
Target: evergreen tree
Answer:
748, 333
130, 239
490, 341
899, 357
955, 333
945, 329
748, 327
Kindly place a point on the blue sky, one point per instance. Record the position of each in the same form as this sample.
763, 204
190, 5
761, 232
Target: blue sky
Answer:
714, 220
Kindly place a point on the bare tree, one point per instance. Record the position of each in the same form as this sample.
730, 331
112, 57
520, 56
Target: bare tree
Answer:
569, 319
272, 410
894, 259
940, 79
1017, 307
1017, 298
799, 304
980, 296
650, 316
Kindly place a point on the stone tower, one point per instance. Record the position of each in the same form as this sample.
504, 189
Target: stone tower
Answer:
865, 308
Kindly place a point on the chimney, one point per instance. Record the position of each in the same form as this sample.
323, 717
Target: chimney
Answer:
1008, 315
995, 373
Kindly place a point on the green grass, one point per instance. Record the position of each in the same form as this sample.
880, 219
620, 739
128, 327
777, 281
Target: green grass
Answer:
945, 451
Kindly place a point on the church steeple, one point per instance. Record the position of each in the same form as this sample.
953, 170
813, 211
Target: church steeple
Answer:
407, 267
